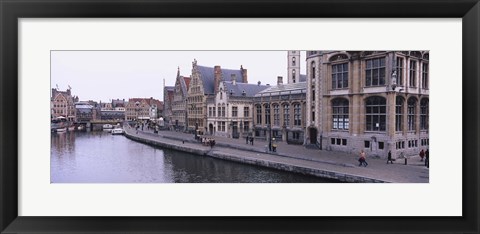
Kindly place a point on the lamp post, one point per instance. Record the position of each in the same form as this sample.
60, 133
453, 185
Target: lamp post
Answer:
137, 104
269, 129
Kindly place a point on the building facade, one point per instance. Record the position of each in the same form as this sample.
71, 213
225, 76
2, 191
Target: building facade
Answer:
230, 112
179, 103
143, 109
376, 101
62, 104
168, 93
204, 84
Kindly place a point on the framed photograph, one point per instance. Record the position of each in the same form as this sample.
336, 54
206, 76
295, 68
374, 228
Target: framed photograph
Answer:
75, 72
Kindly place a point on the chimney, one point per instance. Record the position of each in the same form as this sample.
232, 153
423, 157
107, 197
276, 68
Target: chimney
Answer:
279, 80
259, 83
244, 74
234, 79
217, 77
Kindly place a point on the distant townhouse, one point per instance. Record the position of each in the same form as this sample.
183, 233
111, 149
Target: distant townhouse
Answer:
179, 103
376, 101
168, 93
143, 109
230, 112
62, 104
203, 88
114, 110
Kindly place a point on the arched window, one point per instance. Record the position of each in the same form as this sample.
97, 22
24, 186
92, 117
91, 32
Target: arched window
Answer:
267, 113
286, 115
259, 114
297, 114
376, 114
293, 75
313, 70
424, 114
293, 61
411, 109
276, 115
340, 114
340, 76
399, 114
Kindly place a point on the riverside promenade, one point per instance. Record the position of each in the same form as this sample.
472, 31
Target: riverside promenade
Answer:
294, 158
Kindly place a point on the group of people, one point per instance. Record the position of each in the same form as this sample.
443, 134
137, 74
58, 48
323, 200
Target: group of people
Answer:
249, 139
208, 141
423, 154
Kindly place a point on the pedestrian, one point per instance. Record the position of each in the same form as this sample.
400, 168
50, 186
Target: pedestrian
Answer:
389, 157
362, 159
270, 146
422, 154
246, 141
274, 147
427, 159
251, 140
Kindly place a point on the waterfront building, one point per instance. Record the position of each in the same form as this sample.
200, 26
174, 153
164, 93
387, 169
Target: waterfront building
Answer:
62, 104
143, 109
168, 93
114, 110
203, 87
179, 104
368, 100
85, 112
230, 112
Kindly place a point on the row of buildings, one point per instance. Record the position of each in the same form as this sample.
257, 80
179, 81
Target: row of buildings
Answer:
347, 101
64, 104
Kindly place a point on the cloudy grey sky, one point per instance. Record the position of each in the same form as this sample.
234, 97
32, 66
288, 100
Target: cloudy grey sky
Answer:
106, 75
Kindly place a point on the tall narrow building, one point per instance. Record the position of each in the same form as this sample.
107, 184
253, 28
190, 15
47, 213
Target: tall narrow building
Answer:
293, 66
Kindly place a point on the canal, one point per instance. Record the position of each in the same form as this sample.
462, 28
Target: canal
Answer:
99, 157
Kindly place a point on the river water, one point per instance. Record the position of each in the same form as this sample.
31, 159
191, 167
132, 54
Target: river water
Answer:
99, 157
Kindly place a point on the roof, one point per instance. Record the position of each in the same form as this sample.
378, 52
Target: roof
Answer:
83, 106
208, 77
300, 87
239, 88
187, 82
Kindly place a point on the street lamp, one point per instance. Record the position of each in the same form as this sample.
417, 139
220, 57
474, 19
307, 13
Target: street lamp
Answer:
137, 109
269, 129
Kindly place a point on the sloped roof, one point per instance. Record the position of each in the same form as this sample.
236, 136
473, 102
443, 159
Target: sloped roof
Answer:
208, 77
239, 88
300, 87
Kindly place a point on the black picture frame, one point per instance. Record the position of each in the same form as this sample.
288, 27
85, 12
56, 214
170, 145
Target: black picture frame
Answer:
11, 11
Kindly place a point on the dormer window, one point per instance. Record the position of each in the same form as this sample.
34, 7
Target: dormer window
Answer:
243, 93
231, 91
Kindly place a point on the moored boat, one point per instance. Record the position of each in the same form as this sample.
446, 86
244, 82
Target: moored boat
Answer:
117, 131
107, 126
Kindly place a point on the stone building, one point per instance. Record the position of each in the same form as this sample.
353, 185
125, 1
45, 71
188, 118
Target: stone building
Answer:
179, 103
62, 103
230, 112
143, 109
204, 84
368, 100
114, 110
168, 92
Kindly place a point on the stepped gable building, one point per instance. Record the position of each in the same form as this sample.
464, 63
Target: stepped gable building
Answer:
143, 109
204, 84
62, 104
168, 92
179, 103
230, 112
368, 100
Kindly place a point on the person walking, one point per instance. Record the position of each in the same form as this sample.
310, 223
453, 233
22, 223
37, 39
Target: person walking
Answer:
427, 160
421, 154
251, 140
362, 159
389, 157
246, 140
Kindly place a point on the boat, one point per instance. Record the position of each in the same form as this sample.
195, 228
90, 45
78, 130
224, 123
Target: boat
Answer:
64, 129
117, 131
107, 126
59, 124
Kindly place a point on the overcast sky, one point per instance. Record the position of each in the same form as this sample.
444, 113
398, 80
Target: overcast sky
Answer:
106, 75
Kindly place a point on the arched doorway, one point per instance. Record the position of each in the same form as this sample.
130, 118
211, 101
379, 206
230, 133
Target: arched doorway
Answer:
313, 135
210, 129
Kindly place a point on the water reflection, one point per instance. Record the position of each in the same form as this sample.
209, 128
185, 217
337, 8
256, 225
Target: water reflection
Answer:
99, 157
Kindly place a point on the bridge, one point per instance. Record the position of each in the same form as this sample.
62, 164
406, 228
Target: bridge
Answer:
98, 124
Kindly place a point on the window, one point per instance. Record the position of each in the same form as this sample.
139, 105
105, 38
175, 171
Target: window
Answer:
259, 114
340, 76
344, 141
313, 70
267, 113
313, 94
375, 72
375, 114
366, 144
234, 111
246, 127
296, 135
380, 145
276, 115
413, 73
222, 126
399, 69
412, 103
293, 61
399, 114
340, 114
293, 75
332, 141
286, 115
209, 111
424, 114
425, 75
246, 111
313, 116
213, 111
297, 121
